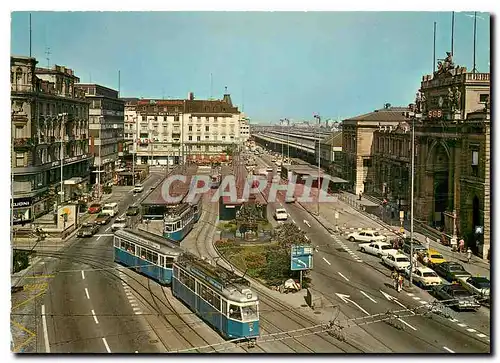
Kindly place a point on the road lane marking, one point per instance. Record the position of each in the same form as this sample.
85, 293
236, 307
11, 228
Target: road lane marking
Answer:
293, 221
83, 275
340, 273
105, 235
87, 293
369, 297
307, 223
470, 330
416, 298
324, 259
138, 312
133, 304
410, 294
45, 332
448, 349
135, 308
462, 325
107, 229
423, 302
95, 317
481, 335
405, 323
307, 238
98, 238
453, 320
106, 345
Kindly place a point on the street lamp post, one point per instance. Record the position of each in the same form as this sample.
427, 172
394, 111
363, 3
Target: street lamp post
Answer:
287, 139
61, 192
282, 144
318, 117
414, 115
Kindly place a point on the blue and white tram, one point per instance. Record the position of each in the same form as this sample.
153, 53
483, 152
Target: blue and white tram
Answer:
146, 253
178, 221
228, 305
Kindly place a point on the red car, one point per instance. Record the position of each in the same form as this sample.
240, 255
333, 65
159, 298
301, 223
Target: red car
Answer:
94, 208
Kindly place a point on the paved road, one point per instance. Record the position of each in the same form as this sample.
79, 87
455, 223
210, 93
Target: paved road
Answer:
341, 269
86, 307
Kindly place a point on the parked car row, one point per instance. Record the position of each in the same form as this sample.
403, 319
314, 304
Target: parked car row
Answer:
447, 280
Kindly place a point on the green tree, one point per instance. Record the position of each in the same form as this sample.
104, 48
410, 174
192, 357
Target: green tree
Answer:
289, 234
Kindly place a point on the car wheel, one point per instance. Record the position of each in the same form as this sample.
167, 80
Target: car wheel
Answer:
362, 249
352, 239
379, 255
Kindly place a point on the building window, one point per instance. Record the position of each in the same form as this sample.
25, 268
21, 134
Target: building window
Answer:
483, 97
190, 138
198, 138
190, 128
207, 128
367, 163
19, 159
176, 118
475, 163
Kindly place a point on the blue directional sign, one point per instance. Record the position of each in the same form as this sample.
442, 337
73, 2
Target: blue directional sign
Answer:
301, 258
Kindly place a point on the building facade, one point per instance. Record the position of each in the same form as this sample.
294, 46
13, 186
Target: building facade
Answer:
47, 110
173, 130
452, 156
357, 145
106, 123
330, 151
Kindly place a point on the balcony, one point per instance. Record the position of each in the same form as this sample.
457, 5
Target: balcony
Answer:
20, 143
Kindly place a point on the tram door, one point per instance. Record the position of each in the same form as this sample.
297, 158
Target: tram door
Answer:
224, 313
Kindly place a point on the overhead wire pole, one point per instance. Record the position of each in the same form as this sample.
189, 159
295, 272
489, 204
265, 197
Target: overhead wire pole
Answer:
452, 30
318, 117
434, 51
474, 44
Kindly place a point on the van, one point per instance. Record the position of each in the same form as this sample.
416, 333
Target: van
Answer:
110, 209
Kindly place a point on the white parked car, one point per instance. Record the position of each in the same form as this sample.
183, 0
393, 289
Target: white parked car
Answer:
280, 214
424, 276
366, 236
377, 248
396, 261
119, 223
138, 188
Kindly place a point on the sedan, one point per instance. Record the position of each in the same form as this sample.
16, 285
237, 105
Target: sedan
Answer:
377, 248
366, 236
88, 230
119, 223
424, 277
476, 285
396, 261
103, 219
456, 296
94, 208
451, 271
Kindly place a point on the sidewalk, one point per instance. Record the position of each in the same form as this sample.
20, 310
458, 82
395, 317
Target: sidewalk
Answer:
347, 212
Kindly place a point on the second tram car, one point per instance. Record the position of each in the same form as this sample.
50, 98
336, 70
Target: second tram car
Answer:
179, 220
146, 253
221, 298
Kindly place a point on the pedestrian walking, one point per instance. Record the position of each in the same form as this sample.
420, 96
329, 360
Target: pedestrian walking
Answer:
415, 259
461, 245
395, 278
469, 255
427, 243
400, 282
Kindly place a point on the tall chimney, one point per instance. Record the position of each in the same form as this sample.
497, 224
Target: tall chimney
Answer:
190, 96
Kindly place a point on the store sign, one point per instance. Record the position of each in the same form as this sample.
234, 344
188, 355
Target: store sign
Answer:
435, 114
22, 203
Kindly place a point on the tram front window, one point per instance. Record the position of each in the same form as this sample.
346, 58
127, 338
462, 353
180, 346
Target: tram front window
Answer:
168, 227
234, 312
249, 312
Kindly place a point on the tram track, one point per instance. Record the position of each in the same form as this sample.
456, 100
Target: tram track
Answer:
108, 272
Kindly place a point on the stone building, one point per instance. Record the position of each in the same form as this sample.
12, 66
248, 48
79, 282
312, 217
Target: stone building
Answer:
47, 109
173, 130
106, 133
357, 148
452, 156
331, 153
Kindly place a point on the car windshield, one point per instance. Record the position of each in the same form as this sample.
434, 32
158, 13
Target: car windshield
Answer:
95, 206
456, 268
460, 293
429, 274
482, 283
402, 259
386, 247
437, 256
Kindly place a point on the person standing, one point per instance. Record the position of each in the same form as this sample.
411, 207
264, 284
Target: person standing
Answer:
461, 245
469, 255
427, 243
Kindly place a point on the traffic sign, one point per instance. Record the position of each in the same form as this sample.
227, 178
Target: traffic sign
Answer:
301, 258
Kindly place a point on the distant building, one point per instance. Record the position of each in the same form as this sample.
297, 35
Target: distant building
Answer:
47, 109
357, 149
173, 130
331, 153
106, 125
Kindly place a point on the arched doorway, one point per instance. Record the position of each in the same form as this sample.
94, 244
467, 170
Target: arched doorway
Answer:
440, 162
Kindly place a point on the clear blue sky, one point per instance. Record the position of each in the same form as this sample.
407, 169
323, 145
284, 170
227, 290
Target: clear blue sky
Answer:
278, 64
